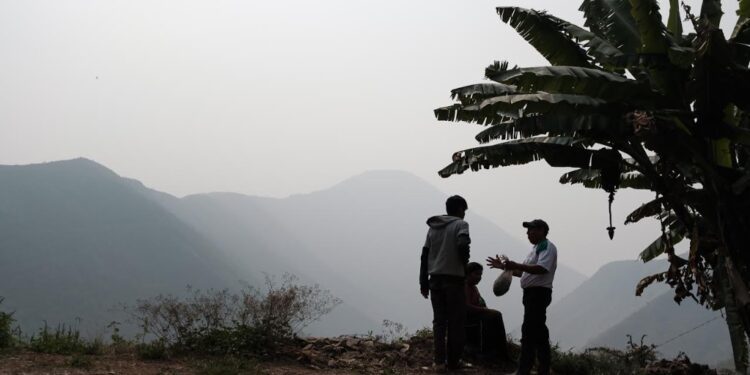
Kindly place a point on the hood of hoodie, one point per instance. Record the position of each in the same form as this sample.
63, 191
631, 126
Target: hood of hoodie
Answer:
440, 221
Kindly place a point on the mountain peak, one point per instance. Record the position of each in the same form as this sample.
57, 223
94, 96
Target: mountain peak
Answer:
79, 163
384, 177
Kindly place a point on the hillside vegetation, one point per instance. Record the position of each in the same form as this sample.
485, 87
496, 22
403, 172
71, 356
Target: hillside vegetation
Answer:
217, 332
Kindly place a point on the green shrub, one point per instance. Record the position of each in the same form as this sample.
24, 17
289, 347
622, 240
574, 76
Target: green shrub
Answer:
217, 322
228, 366
591, 362
93, 347
80, 361
60, 341
64, 341
423, 333
238, 340
152, 351
6, 328
119, 344
6, 332
603, 361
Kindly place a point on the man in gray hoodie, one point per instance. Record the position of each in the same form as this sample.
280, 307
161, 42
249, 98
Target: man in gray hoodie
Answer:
441, 277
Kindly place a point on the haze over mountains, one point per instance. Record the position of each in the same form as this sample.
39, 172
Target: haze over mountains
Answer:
606, 298
604, 310
77, 239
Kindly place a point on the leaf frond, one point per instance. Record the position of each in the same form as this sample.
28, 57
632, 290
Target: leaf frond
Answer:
612, 20
470, 114
474, 94
588, 125
676, 234
579, 81
557, 151
545, 35
521, 105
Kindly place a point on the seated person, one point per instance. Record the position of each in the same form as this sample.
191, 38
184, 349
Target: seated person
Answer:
491, 321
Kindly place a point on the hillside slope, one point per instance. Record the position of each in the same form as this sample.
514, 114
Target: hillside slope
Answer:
663, 322
361, 238
76, 239
600, 302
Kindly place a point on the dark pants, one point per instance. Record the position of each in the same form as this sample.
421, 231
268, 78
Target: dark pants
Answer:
534, 332
449, 314
492, 334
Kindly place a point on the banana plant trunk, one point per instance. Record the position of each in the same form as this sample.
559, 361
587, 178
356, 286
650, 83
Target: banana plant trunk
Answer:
733, 277
736, 321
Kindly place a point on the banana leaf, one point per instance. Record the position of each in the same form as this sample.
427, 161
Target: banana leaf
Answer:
653, 33
740, 41
471, 114
540, 103
601, 50
652, 208
744, 10
711, 12
612, 20
674, 24
589, 125
557, 151
576, 80
591, 178
578, 73
474, 94
545, 35
669, 78
659, 246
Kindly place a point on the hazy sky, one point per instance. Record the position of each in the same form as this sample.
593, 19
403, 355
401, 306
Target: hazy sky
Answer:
280, 97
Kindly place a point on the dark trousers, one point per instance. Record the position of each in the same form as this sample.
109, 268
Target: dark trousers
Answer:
449, 314
492, 333
534, 332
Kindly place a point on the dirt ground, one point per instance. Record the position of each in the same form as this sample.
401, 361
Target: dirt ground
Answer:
49, 364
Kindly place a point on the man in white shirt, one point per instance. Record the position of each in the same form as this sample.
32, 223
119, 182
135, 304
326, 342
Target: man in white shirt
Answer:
537, 273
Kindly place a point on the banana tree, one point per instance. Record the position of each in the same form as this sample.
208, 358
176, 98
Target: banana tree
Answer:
632, 103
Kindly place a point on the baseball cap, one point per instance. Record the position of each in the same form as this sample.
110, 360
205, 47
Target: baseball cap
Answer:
536, 223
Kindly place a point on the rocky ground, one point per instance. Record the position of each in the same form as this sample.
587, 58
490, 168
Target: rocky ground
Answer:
341, 355
372, 356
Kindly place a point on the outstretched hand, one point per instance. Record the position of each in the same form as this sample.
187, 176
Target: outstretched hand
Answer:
511, 265
496, 262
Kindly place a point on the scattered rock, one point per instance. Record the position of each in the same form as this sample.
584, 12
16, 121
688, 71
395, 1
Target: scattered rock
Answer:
349, 352
352, 343
678, 366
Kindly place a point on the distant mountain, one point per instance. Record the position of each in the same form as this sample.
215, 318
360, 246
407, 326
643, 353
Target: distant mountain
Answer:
600, 302
261, 245
76, 239
361, 238
603, 310
669, 325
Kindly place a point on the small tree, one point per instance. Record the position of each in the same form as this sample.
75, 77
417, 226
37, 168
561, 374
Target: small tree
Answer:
632, 103
6, 328
223, 322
